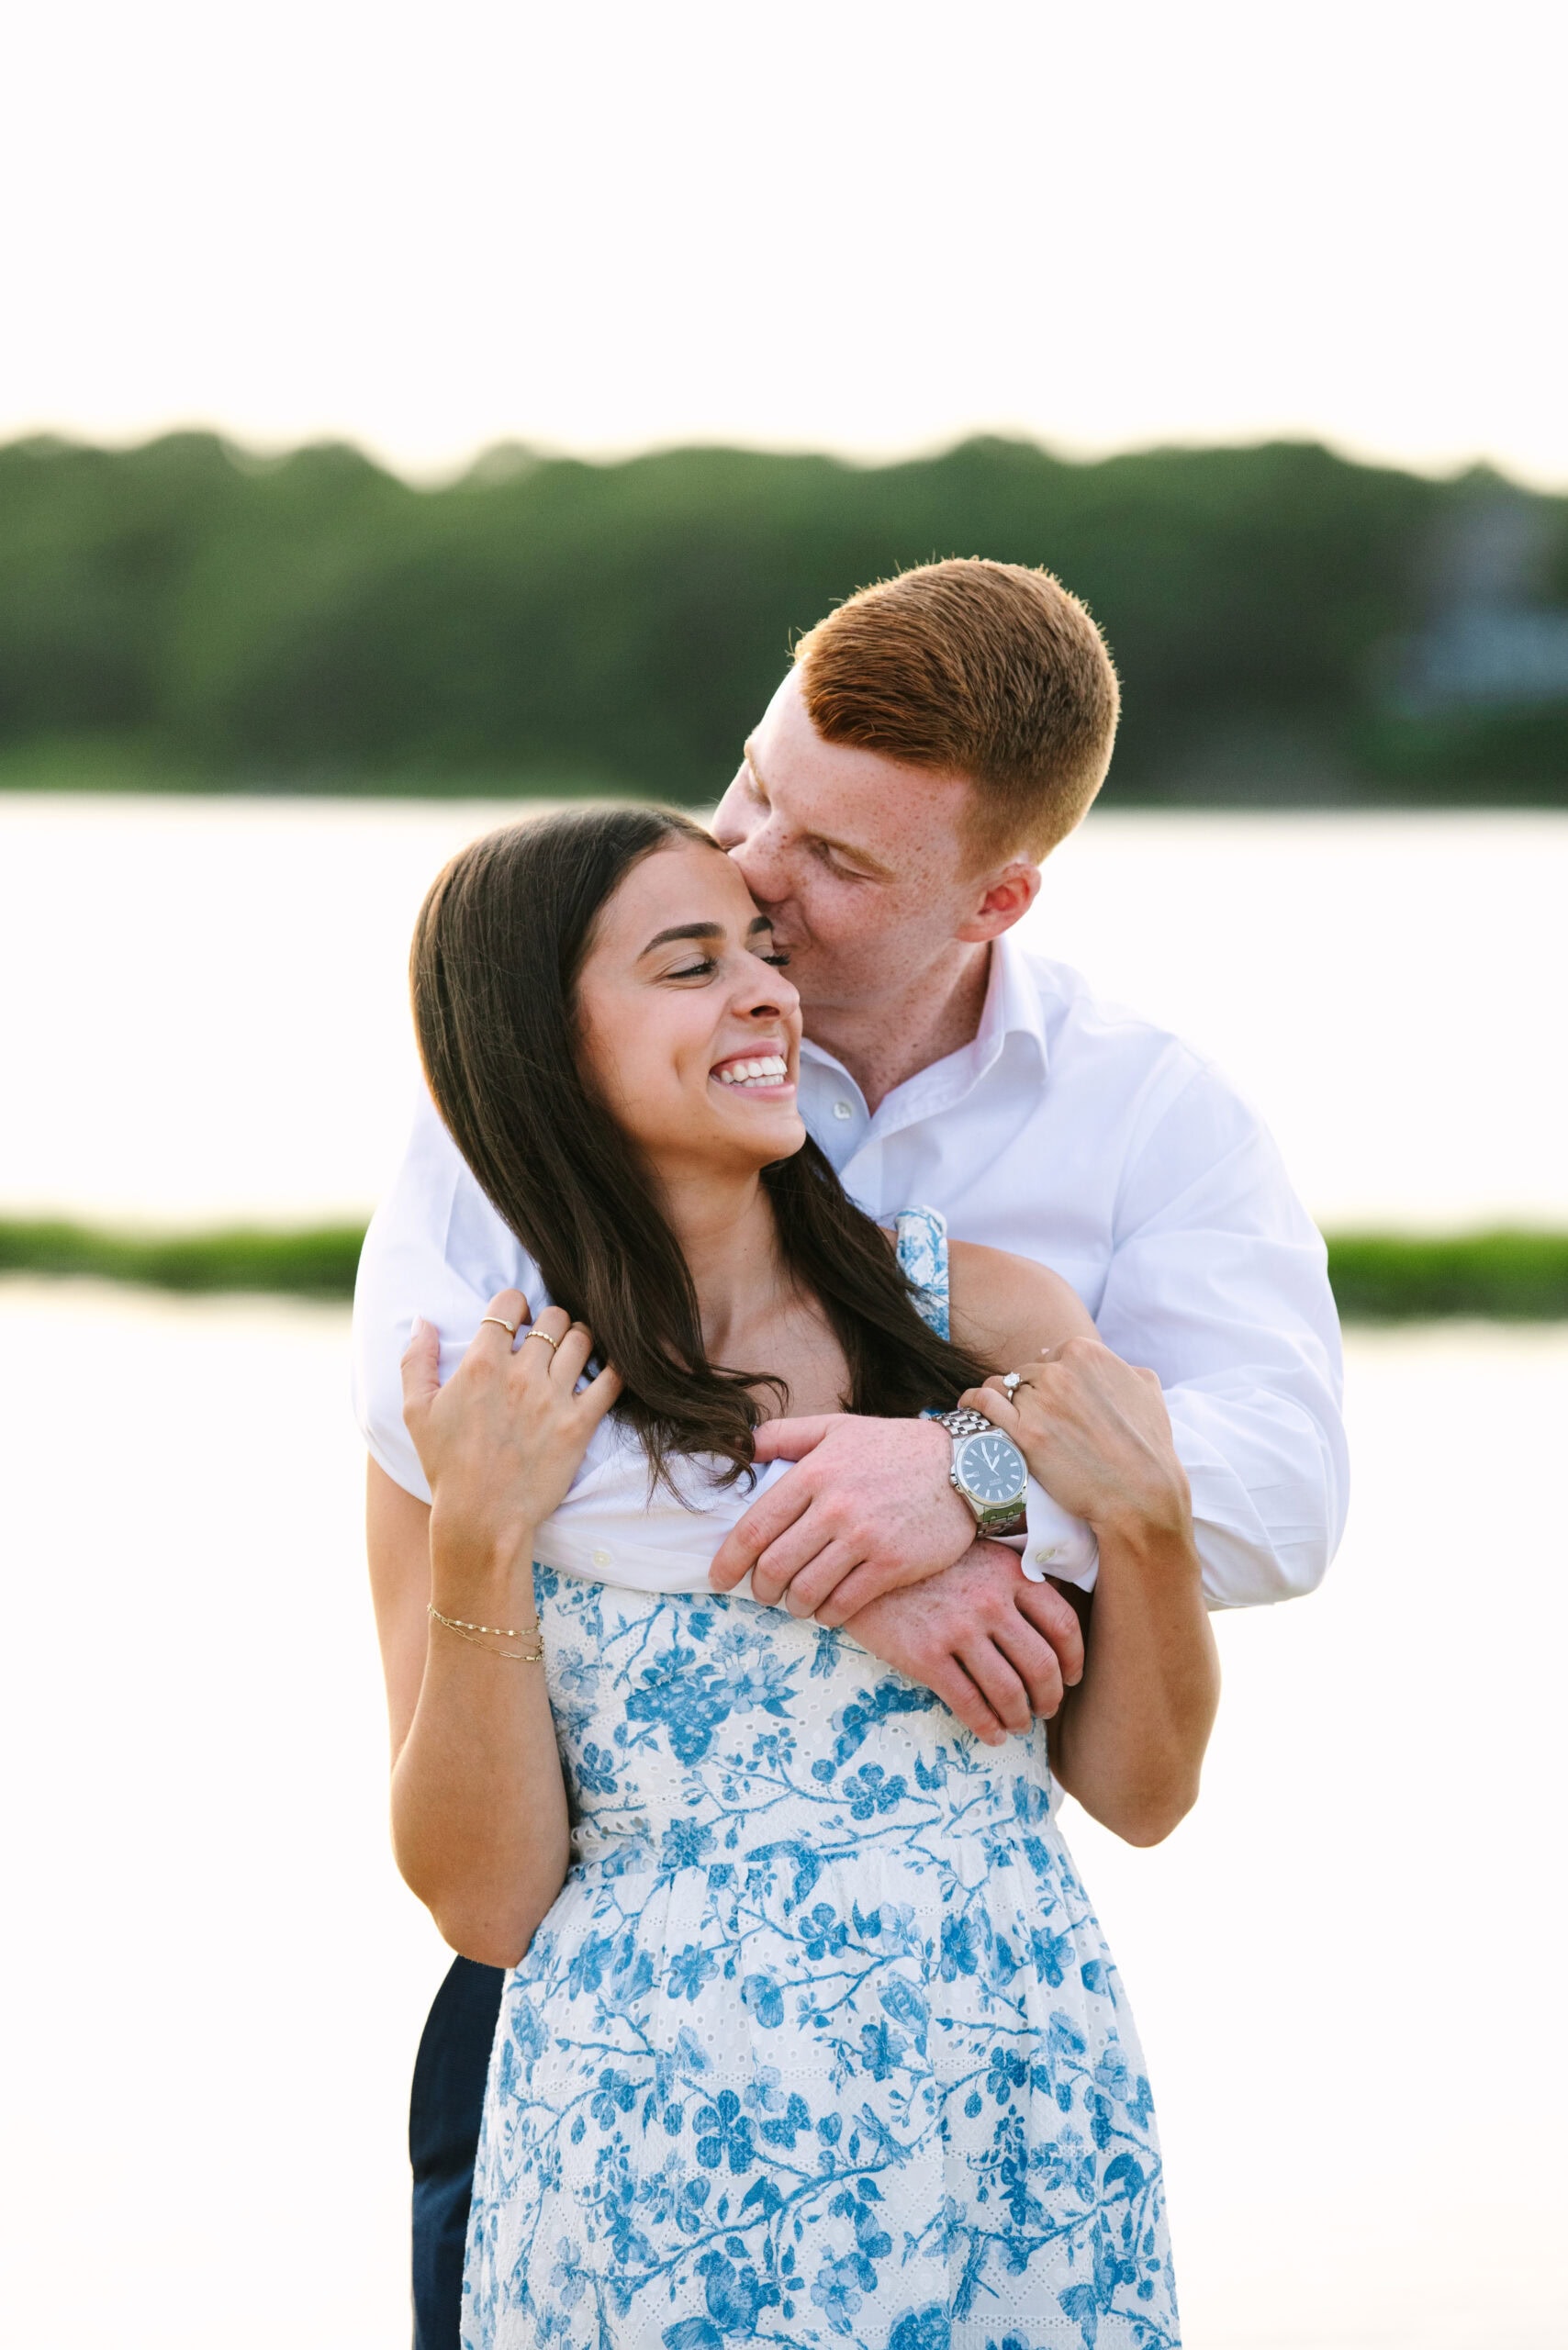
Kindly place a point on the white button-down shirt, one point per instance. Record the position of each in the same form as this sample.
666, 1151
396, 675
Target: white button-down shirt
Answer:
1067, 1131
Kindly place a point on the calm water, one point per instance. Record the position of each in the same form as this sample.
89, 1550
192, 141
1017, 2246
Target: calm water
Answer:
215, 1019
1347, 1964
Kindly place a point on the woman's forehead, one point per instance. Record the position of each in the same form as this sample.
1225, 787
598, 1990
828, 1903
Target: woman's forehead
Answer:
687, 882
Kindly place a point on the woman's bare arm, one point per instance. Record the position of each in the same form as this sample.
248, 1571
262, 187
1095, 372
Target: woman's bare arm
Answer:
1007, 1309
398, 1541
479, 1818
1130, 1738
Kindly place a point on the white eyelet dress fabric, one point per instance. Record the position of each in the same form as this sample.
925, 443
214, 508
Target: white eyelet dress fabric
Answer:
821, 2043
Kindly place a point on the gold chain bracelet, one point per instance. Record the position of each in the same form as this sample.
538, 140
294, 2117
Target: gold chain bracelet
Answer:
465, 1631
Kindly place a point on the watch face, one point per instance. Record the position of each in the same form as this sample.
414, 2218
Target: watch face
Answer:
990, 1467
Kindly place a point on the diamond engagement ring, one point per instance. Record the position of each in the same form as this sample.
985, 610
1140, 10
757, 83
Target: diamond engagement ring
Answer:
1011, 1384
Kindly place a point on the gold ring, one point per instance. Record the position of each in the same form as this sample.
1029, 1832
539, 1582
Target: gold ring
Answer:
511, 1328
550, 1342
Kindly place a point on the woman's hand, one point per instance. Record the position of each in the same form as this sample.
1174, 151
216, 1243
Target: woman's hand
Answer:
502, 1440
1095, 1432
479, 1816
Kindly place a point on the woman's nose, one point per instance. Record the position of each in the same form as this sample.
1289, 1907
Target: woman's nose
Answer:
766, 993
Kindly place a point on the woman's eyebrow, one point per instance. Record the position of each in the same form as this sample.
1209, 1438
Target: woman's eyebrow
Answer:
684, 930
703, 930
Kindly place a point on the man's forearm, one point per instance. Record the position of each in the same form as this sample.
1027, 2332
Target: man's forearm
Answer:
997, 1651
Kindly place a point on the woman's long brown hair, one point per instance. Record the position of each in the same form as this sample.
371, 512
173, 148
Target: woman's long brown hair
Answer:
498, 950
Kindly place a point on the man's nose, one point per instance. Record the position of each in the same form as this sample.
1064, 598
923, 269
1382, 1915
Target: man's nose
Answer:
761, 867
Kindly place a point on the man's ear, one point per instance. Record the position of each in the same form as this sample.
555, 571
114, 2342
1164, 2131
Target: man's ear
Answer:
1005, 897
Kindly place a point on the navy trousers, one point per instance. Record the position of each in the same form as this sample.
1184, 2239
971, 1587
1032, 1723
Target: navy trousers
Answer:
443, 2137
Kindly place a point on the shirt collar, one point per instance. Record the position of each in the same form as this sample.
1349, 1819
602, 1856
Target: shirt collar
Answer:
1013, 998
1012, 1008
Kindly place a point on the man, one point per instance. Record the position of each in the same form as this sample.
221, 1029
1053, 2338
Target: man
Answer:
936, 738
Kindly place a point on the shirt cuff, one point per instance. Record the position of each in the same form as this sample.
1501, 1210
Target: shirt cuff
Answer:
1057, 1545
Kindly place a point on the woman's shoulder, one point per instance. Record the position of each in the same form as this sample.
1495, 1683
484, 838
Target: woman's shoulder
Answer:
1007, 1306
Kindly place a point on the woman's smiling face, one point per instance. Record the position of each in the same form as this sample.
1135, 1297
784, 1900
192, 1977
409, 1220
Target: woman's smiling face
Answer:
690, 1031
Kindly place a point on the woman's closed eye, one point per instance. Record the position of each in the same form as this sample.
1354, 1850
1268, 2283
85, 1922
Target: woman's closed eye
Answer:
706, 966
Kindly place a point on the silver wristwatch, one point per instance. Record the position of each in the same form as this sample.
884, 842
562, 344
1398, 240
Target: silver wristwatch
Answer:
988, 1471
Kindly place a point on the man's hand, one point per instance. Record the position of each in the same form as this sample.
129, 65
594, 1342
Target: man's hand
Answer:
869, 1509
996, 1649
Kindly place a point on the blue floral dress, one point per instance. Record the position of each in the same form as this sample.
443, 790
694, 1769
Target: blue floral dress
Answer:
821, 2043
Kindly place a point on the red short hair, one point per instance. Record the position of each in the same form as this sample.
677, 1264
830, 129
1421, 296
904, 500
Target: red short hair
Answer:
986, 670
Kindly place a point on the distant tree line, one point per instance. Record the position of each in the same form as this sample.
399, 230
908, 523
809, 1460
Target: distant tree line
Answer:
1289, 626
1377, 1277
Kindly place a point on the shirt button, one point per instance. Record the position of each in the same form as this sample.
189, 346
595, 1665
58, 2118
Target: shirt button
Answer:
843, 1110
603, 1559
1042, 1558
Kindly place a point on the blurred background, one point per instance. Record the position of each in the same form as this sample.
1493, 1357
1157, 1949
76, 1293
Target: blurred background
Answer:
410, 416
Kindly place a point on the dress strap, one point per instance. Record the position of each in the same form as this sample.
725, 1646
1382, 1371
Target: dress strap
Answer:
921, 1241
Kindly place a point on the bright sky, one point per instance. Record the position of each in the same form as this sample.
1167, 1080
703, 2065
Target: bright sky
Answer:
869, 225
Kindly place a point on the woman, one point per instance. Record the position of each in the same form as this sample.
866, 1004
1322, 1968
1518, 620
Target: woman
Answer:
812, 2036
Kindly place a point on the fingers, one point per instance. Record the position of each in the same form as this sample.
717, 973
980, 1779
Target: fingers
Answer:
600, 1395
570, 1359
566, 1366
871, 1579
764, 1522
995, 1402
490, 1341
819, 1580
784, 1558
421, 1367
1034, 1662
948, 1680
791, 1439
1056, 1620
999, 1685
541, 1344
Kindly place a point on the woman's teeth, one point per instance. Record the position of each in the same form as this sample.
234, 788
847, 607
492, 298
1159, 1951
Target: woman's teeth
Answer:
772, 1068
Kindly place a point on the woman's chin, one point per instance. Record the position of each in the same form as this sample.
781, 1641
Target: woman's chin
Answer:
766, 1132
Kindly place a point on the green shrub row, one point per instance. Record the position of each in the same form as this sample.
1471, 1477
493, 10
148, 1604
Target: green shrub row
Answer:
183, 614
298, 1264
1499, 1276
1377, 1277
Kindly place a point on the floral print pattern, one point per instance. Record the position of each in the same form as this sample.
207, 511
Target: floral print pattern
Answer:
922, 1238
821, 2043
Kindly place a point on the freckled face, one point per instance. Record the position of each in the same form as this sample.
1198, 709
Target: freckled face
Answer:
690, 1030
862, 862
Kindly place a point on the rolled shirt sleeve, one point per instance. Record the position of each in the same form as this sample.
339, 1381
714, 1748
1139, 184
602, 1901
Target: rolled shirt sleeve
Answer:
1057, 1547
1218, 1283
